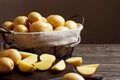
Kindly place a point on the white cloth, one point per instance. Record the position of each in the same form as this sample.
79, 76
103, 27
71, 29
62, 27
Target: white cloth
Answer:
38, 39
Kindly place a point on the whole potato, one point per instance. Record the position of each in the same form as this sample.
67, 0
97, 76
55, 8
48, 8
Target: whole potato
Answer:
11, 53
40, 26
6, 65
56, 20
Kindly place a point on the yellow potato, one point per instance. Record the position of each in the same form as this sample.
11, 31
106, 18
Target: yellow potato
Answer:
61, 28
6, 65
75, 61
60, 66
56, 20
71, 24
25, 54
25, 67
11, 53
34, 16
40, 26
48, 57
43, 65
50, 27
44, 19
20, 20
8, 25
72, 76
31, 59
20, 28
87, 69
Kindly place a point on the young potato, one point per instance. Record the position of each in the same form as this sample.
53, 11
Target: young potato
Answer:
87, 69
72, 76
11, 53
31, 59
25, 67
60, 66
6, 65
43, 65
49, 57
25, 54
75, 61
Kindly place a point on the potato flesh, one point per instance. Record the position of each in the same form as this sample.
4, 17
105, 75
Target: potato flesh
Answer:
43, 65
31, 59
25, 54
48, 56
25, 67
59, 66
75, 61
87, 69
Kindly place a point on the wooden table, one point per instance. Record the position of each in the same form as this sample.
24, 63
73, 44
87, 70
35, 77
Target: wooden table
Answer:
107, 55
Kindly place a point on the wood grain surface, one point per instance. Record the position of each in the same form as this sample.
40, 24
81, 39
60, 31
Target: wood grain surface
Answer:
107, 55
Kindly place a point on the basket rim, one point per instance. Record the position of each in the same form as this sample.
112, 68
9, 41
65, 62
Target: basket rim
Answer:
80, 28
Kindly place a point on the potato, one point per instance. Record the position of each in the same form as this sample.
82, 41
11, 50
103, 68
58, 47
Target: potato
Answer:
8, 25
43, 65
87, 69
40, 26
75, 61
56, 20
47, 57
20, 20
11, 53
71, 24
61, 28
60, 66
20, 28
34, 16
44, 19
25, 54
6, 65
31, 59
25, 67
72, 76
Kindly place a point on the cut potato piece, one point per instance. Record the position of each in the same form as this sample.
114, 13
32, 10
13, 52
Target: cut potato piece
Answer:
75, 61
60, 66
25, 67
31, 59
43, 65
25, 54
87, 69
48, 56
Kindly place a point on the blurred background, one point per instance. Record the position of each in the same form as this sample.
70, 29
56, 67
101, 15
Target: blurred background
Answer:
102, 17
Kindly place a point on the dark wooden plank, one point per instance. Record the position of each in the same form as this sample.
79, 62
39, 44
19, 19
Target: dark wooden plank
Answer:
107, 55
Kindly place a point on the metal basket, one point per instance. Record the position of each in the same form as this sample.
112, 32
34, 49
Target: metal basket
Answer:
60, 51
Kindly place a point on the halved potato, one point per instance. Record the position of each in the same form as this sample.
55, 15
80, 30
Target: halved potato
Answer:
43, 65
31, 59
60, 66
25, 54
25, 67
87, 69
75, 61
48, 56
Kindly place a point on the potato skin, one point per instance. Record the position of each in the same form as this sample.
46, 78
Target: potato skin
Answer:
6, 65
11, 53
